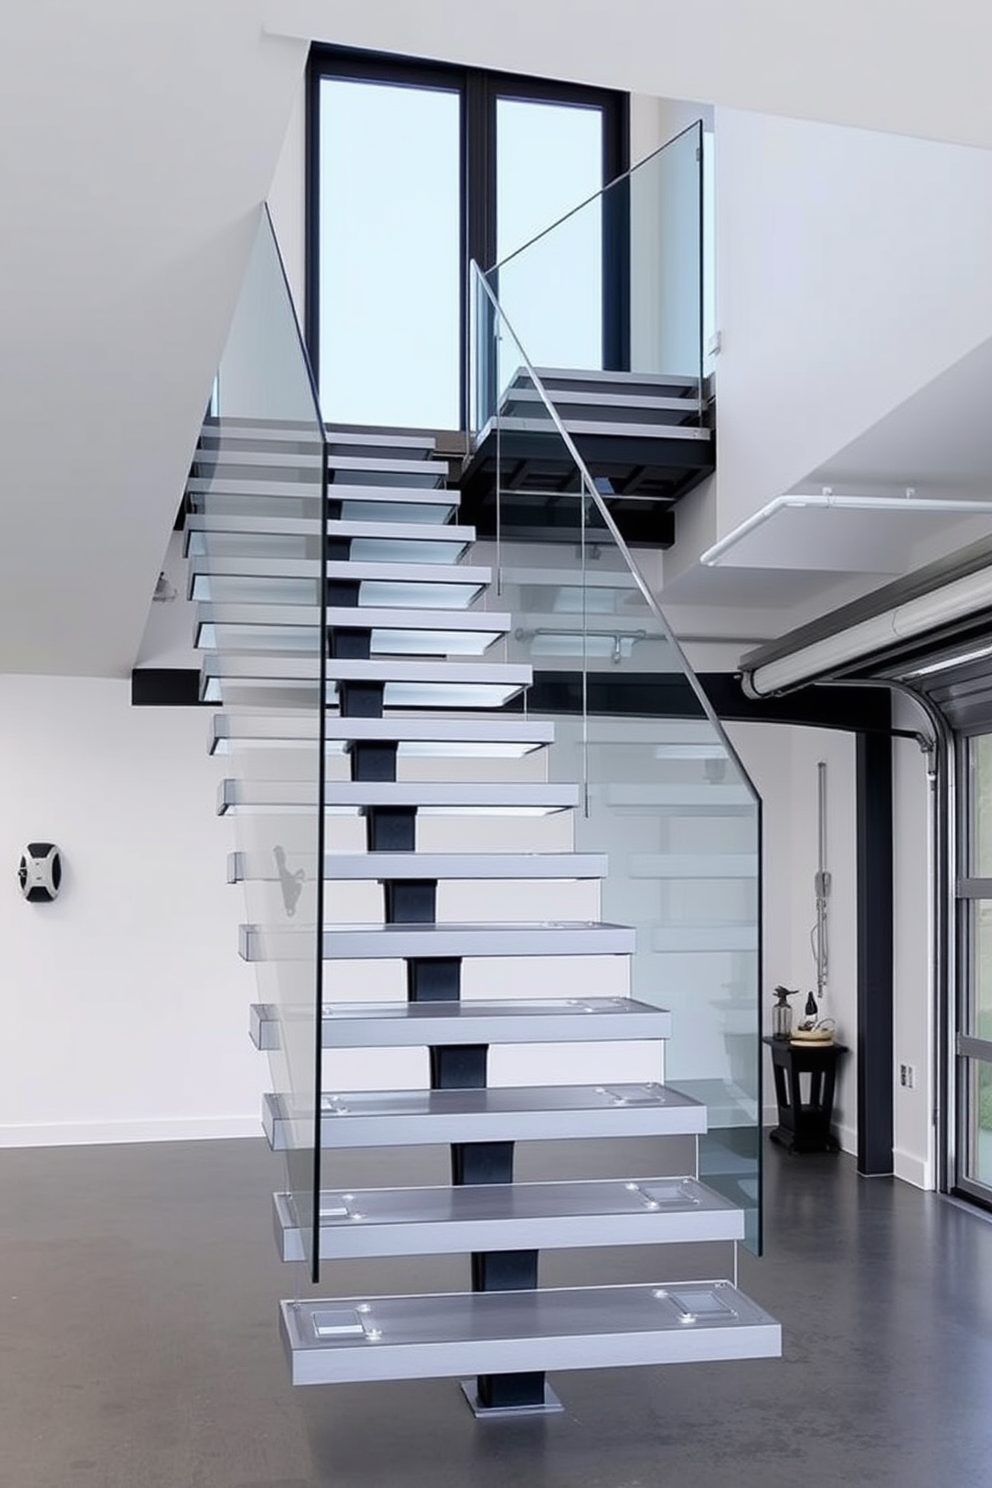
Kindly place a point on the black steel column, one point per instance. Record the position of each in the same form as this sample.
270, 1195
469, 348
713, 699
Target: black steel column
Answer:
875, 1020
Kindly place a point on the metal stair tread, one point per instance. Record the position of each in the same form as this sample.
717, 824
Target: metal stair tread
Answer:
274, 666
356, 617
582, 398
275, 567
508, 796
551, 376
299, 430
525, 425
440, 1220
404, 471
407, 632
368, 1025
342, 866
232, 488
414, 1118
300, 729
380, 1338
455, 586
336, 527
399, 941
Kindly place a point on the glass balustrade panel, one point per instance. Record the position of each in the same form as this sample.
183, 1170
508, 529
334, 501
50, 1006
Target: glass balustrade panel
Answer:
263, 456
615, 285
662, 791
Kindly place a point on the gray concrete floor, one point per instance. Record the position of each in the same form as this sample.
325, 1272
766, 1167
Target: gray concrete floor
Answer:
139, 1349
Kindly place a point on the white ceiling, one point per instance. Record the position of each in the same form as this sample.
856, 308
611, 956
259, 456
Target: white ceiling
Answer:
136, 144
800, 561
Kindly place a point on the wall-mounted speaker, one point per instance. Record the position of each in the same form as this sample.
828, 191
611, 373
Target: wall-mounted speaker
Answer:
40, 872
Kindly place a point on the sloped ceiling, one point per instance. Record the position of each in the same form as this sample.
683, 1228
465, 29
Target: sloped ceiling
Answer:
137, 141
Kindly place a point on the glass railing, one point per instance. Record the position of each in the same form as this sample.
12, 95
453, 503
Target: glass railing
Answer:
262, 470
616, 285
664, 794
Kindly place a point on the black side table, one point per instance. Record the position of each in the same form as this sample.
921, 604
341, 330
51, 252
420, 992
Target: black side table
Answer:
804, 1125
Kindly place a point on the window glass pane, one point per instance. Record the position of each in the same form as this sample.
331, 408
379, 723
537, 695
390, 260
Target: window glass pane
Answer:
549, 159
980, 808
979, 1021
978, 1138
389, 254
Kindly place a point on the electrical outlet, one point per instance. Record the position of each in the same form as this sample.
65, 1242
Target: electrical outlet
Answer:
907, 1076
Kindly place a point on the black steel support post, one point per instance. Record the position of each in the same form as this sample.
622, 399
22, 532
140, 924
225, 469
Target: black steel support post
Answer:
435, 979
875, 1017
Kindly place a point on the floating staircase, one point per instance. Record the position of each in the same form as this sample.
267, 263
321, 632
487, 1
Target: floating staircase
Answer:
411, 726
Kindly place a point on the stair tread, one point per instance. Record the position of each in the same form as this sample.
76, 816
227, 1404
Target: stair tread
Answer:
396, 942
454, 586
407, 470
577, 376
499, 795
276, 666
521, 423
336, 527
365, 1025
582, 398
274, 567
413, 1118
378, 1338
234, 487
431, 865
283, 629
300, 430
450, 1219
301, 729
355, 617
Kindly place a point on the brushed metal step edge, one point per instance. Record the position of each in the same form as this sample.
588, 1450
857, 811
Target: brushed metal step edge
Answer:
503, 1332
397, 942
310, 490
302, 729
281, 668
465, 574
458, 867
336, 527
519, 423
428, 795
357, 1223
352, 617
415, 1118
427, 1025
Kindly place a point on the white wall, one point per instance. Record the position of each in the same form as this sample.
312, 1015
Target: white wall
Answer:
782, 761
125, 1005
852, 270
897, 64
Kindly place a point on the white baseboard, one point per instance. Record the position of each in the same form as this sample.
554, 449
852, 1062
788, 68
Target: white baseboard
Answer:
847, 1136
913, 1169
85, 1133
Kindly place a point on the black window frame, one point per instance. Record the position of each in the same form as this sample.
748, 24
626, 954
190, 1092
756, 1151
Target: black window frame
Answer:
479, 91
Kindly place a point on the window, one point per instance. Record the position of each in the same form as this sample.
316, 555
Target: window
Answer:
413, 171
973, 1034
